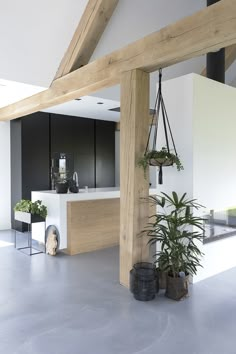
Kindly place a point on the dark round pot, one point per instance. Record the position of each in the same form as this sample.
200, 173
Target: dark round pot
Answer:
61, 187
144, 281
177, 288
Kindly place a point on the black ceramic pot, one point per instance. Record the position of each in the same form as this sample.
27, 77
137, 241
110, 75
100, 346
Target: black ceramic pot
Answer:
61, 187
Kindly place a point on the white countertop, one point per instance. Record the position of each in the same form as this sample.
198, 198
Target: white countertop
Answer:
91, 193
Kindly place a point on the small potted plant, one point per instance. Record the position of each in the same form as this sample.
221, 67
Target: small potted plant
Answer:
61, 183
159, 158
177, 231
28, 211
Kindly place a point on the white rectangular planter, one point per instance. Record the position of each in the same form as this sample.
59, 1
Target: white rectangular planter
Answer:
27, 217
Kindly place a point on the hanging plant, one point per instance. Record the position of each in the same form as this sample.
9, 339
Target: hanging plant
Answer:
163, 157
159, 158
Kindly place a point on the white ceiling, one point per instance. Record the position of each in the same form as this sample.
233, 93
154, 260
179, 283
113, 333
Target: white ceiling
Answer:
12, 91
88, 107
36, 34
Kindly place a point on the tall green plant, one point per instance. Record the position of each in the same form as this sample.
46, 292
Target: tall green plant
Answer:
178, 231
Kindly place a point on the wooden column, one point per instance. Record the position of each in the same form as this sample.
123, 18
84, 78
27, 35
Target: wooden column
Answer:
133, 186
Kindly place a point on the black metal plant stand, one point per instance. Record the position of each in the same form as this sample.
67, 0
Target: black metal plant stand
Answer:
160, 108
29, 220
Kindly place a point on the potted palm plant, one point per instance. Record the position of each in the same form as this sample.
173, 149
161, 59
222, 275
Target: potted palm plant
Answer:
178, 232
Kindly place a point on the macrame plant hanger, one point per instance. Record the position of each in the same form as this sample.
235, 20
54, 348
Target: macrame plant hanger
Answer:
160, 108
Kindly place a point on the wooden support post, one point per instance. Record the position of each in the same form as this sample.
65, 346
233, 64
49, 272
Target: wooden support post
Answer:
134, 211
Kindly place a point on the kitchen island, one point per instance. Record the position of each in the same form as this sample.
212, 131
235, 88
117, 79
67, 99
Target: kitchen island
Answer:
86, 221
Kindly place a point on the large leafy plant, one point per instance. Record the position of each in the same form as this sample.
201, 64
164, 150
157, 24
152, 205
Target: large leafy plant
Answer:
178, 231
34, 208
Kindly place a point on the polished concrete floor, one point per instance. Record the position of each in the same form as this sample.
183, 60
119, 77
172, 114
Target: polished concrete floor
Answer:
75, 305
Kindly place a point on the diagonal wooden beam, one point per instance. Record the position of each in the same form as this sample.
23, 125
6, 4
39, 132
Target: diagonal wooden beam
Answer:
180, 41
230, 56
86, 37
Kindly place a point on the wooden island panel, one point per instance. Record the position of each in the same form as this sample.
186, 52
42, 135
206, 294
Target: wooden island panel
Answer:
92, 225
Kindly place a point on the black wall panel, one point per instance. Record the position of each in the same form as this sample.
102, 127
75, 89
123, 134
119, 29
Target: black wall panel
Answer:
83, 148
16, 175
35, 154
75, 136
29, 157
105, 153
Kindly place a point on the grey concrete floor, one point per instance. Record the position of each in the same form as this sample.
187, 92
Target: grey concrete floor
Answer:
75, 305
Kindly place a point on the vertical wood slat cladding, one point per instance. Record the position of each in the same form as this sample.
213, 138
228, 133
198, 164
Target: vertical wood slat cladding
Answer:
92, 225
95, 224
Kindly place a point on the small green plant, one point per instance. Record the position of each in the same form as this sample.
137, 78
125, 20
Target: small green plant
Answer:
178, 231
34, 208
158, 158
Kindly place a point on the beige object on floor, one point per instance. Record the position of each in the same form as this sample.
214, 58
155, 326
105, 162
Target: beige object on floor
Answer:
51, 244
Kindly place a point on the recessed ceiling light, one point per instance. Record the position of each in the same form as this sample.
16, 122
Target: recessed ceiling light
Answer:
100, 102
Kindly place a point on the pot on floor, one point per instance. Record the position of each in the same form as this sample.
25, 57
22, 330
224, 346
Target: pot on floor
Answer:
144, 281
177, 288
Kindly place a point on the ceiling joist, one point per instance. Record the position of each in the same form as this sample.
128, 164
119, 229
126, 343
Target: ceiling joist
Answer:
90, 29
207, 30
230, 56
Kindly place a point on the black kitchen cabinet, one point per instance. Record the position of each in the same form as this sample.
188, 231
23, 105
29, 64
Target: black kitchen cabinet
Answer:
34, 140
105, 153
75, 136
29, 156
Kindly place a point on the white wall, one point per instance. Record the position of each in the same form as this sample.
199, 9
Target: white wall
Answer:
5, 177
178, 98
202, 117
214, 147
214, 143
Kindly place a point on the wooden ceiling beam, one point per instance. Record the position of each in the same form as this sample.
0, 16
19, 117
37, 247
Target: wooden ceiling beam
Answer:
207, 30
86, 37
230, 56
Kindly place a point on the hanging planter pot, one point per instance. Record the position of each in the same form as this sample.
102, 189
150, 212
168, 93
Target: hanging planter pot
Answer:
160, 159
164, 157
160, 162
